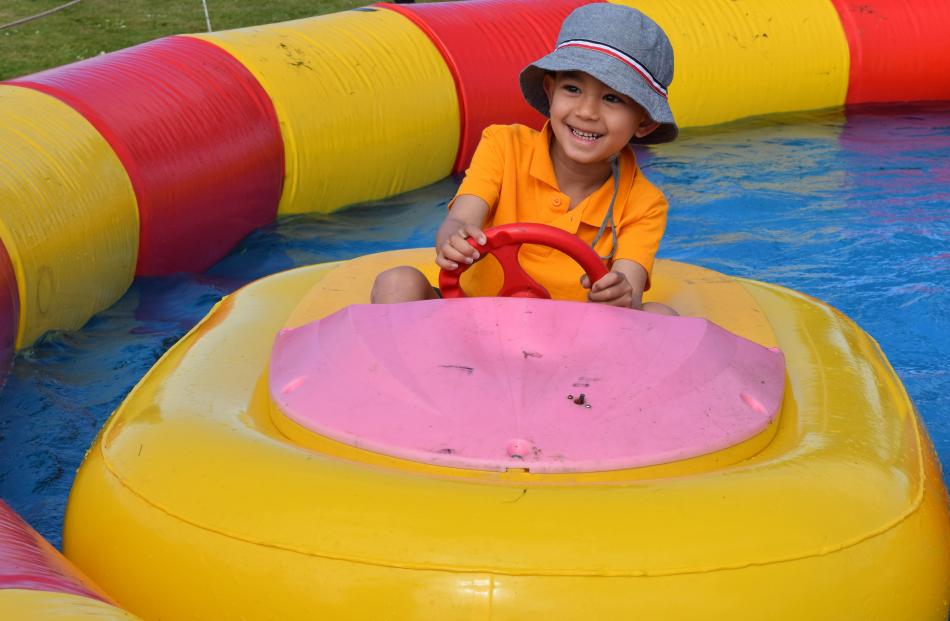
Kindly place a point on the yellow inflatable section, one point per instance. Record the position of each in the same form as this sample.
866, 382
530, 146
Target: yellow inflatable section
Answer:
26, 605
841, 510
366, 105
739, 58
68, 215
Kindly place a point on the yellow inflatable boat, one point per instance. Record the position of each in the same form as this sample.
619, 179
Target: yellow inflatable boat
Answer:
202, 499
218, 492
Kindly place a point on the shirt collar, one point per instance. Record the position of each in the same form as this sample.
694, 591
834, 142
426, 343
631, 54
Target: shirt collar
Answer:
593, 212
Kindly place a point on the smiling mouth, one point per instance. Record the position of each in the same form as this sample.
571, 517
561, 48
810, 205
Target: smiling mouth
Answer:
585, 135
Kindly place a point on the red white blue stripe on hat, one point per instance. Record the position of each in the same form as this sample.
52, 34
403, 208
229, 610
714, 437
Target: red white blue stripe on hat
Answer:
632, 62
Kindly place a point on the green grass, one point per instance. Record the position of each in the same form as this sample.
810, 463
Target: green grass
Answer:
97, 26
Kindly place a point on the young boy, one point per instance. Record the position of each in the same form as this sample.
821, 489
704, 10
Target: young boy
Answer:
602, 88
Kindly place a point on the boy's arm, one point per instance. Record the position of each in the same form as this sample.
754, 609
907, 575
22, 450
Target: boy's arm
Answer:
622, 286
641, 223
464, 220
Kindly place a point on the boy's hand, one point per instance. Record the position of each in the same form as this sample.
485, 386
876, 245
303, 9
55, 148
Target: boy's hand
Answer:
613, 289
456, 250
464, 220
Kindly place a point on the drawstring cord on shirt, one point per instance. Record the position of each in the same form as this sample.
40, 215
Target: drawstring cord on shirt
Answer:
609, 216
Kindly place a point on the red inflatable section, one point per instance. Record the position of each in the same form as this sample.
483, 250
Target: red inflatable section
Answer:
27, 561
487, 43
196, 133
898, 49
9, 312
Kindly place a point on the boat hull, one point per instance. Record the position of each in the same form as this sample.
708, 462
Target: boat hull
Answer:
194, 504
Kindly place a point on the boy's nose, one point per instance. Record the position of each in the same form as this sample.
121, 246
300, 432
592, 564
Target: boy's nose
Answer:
588, 108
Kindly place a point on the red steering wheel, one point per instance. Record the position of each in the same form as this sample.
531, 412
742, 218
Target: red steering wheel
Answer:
505, 242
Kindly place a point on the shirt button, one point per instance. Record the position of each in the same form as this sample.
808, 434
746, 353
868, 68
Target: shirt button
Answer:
557, 201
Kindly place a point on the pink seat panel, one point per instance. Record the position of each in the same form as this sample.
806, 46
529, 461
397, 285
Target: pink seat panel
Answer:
495, 383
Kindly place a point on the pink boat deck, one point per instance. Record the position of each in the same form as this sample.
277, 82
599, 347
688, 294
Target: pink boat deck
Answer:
497, 383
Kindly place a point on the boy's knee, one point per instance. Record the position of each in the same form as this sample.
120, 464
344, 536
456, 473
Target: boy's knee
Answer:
400, 284
399, 276
660, 309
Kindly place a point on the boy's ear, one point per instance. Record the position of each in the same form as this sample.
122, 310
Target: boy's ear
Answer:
646, 127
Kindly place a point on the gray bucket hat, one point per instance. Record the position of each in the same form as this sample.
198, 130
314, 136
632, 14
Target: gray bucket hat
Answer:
621, 47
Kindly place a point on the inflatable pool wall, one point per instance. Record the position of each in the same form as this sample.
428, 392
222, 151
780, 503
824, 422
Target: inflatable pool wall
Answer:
161, 157
37, 582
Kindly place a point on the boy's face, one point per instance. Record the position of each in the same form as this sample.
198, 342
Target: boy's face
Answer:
592, 122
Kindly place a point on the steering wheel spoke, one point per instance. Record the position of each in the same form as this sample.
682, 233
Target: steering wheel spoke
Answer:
518, 283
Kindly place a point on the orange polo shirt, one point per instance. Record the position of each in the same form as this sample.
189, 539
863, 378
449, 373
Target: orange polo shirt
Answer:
512, 172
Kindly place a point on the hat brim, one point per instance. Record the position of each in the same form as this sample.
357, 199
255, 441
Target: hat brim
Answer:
612, 72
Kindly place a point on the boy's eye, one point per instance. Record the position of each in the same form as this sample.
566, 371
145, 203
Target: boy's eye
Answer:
610, 97
570, 88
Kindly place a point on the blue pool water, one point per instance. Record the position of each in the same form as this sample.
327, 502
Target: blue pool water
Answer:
853, 209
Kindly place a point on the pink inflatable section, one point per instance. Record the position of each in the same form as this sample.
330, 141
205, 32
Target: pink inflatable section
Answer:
27, 561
